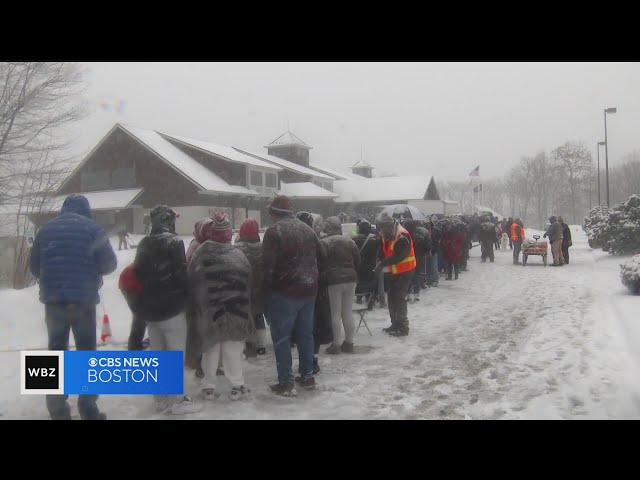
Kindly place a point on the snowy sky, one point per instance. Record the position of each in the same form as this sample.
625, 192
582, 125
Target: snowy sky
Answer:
438, 119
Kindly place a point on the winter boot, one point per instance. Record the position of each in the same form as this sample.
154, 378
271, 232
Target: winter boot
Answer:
333, 349
390, 329
308, 383
346, 347
416, 297
284, 389
401, 332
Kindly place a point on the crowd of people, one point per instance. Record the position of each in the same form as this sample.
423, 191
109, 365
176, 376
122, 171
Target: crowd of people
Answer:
214, 299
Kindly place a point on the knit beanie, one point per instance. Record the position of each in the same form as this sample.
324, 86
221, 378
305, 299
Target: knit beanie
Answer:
249, 228
280, 205
220, 229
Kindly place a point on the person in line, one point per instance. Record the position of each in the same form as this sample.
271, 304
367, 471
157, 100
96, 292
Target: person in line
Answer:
69, 256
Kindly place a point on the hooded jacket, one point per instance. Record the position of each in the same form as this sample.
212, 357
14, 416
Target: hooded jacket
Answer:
70, 254
554, 231
161, 267
343, 257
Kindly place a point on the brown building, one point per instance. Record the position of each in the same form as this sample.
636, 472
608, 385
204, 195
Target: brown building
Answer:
131, 170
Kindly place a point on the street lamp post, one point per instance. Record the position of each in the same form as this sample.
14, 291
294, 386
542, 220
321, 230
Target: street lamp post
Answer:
606, 149
599, 143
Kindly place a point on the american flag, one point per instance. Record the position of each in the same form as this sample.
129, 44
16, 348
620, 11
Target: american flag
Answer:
475, 172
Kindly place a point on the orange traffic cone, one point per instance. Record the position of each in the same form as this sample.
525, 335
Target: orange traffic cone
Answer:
106, 329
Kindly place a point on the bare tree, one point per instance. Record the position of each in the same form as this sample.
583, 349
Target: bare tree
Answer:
575, 167
493, 195
522, 184
625, 177
544, 176
39, 101
459, 192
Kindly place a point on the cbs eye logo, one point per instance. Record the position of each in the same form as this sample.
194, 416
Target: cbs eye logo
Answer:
93, 362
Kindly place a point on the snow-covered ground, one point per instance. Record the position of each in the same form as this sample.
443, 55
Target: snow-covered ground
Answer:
502, 342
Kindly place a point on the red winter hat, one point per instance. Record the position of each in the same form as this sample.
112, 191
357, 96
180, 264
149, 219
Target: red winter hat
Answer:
281, 205
249, 228
128, 280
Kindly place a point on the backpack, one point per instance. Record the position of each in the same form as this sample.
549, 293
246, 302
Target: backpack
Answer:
129, 281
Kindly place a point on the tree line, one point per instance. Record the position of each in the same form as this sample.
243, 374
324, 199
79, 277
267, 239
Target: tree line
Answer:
562, 182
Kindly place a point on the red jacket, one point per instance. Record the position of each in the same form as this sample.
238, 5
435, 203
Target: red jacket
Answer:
452, 246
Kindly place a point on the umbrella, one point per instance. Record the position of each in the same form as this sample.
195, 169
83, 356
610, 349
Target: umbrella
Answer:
404, 212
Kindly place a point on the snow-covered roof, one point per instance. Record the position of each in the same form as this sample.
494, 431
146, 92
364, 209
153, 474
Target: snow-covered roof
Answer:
288, 138
362, 164
338, 175
224, 151
102, 200
384, 189
197, 173
287, 165
305, 190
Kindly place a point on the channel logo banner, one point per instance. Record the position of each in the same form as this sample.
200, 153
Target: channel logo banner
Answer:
102, 372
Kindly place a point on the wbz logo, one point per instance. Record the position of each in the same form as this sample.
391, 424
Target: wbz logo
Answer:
41, 372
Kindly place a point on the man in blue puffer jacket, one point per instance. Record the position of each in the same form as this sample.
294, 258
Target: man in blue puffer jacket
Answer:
69, 256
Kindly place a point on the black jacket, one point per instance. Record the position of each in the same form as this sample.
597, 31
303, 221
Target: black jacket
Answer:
368, 253
566, 236
161, 267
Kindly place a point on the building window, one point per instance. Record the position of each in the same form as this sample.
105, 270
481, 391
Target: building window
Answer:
318, 183
256, 178
328, 186
271, 180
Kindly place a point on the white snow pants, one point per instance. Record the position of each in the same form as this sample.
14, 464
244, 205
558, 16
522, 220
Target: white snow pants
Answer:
170, 334
231, 353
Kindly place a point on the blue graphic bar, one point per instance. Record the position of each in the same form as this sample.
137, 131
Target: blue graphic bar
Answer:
123, 372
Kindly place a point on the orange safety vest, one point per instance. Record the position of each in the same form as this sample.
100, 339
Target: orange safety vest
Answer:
514, 235
408, 263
